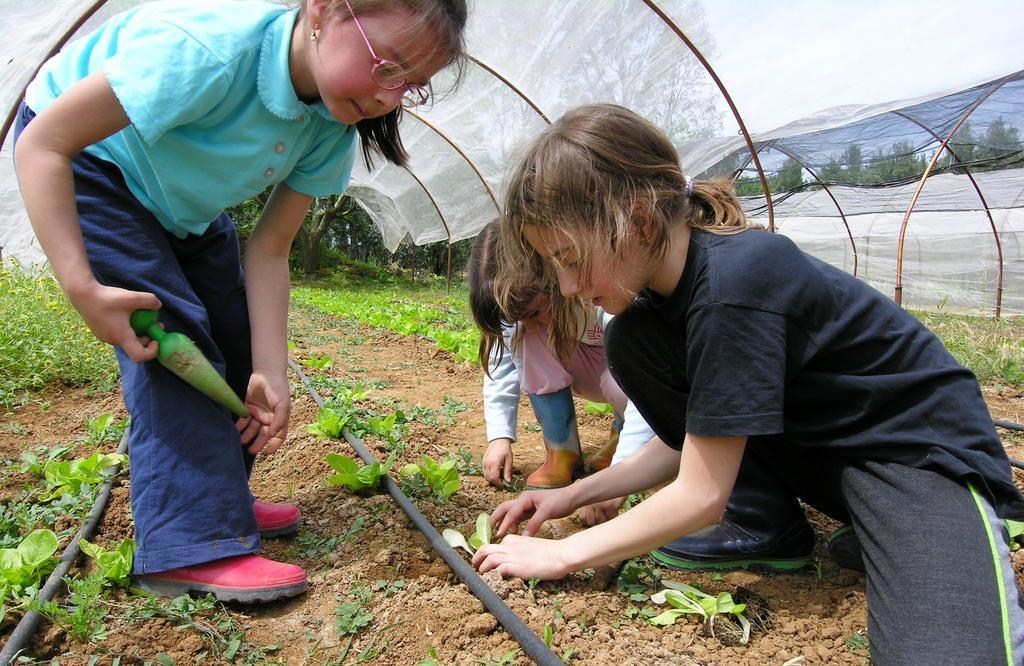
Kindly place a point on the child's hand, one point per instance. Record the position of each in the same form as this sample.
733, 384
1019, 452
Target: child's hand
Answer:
523, 557
540, 505
599, 512
497, 462
270, 403
107, 311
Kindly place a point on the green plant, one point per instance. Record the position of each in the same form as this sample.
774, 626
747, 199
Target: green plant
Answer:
321, 362
480, 538
636, 577
390, 428
351, 617
115, 566
1015, 528
329, 424
442, 478
103, 428
32, 462
389, 588
355, 477
81, 614
467, 463
597, 407
430, 659
69, 477
688, 599
859, 645
503, 660
23, 568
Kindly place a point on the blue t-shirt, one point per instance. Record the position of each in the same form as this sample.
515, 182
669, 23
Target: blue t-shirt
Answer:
766, 340
214, 116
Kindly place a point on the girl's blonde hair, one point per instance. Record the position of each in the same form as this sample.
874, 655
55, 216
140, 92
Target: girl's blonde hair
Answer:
600, 175
446, 19
486, 261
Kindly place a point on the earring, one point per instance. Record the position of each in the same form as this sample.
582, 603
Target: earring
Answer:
315, 32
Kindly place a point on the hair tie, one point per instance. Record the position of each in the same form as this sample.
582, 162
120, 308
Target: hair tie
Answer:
689, 187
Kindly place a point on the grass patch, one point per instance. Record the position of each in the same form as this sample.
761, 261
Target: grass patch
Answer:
992, 348
44, 341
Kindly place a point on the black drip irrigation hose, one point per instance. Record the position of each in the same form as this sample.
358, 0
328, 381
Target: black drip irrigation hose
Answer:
1010, 425
55, 583
520, 632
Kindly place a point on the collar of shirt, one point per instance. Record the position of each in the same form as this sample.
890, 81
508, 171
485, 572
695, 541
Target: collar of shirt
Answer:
274, 80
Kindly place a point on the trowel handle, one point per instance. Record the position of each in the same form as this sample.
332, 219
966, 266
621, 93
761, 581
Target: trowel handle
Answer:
144, 322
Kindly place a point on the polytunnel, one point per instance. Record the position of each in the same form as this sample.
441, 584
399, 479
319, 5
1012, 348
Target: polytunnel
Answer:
889, 135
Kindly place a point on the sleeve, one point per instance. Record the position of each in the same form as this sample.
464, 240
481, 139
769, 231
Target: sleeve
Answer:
635, 433
736, 367
501, 393
163, 77
327, 167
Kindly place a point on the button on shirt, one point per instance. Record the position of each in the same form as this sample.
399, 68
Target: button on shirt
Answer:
214, 116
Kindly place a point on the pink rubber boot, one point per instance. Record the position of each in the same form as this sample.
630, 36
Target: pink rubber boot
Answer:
276, 518
247, 579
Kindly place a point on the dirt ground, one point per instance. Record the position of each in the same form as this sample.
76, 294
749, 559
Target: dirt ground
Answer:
813, 616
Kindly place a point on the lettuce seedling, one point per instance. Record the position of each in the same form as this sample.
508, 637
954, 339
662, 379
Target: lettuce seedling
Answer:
115, 566
22, 568
319, 362
329, 424
480, 538
68, 477
355, 477
443, 478
688, 599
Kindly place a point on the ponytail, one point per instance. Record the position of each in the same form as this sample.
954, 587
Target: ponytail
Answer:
714, 207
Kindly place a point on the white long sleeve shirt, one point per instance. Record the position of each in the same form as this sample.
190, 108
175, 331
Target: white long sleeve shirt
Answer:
502, 392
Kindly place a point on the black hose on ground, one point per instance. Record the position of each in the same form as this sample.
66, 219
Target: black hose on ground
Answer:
520, 632
1009, 425
55, 583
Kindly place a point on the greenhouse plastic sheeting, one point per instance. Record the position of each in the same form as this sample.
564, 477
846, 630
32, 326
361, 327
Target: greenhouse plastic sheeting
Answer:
886, 73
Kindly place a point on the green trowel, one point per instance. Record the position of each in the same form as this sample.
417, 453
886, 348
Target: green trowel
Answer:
181, 356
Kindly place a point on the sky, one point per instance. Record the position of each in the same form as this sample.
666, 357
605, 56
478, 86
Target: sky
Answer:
787, 59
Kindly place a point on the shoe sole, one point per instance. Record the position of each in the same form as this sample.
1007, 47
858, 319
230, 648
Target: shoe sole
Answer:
172, 589
757, 565
284, 530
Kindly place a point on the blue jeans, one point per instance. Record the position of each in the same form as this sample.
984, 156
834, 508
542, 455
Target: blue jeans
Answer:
189, 473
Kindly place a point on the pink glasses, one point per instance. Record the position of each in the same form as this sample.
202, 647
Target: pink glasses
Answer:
390, 75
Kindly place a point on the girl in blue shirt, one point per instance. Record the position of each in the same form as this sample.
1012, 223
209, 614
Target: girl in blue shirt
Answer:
130, 144
754, 362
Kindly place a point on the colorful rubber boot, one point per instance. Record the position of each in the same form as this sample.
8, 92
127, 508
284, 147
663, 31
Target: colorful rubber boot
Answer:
247, 579
763, 529
603, 457
276, 518
844, 547
557, 418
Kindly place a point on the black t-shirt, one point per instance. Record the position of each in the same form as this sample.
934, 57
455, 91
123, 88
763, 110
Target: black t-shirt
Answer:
776, 342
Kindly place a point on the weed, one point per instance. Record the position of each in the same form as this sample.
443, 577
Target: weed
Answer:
389, 588
82, 614
532, 427
321, 362
351, 617
467, 463
450, 406
503, 660
431, 659
44, 341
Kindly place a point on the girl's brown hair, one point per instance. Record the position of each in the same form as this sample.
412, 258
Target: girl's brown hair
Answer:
601, 174
447, 20
486, 260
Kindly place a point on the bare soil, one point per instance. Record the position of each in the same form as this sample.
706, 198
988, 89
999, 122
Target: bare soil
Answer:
811, 616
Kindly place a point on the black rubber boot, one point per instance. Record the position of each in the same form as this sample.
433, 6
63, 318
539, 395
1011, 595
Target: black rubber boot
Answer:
844, 547
763, 529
